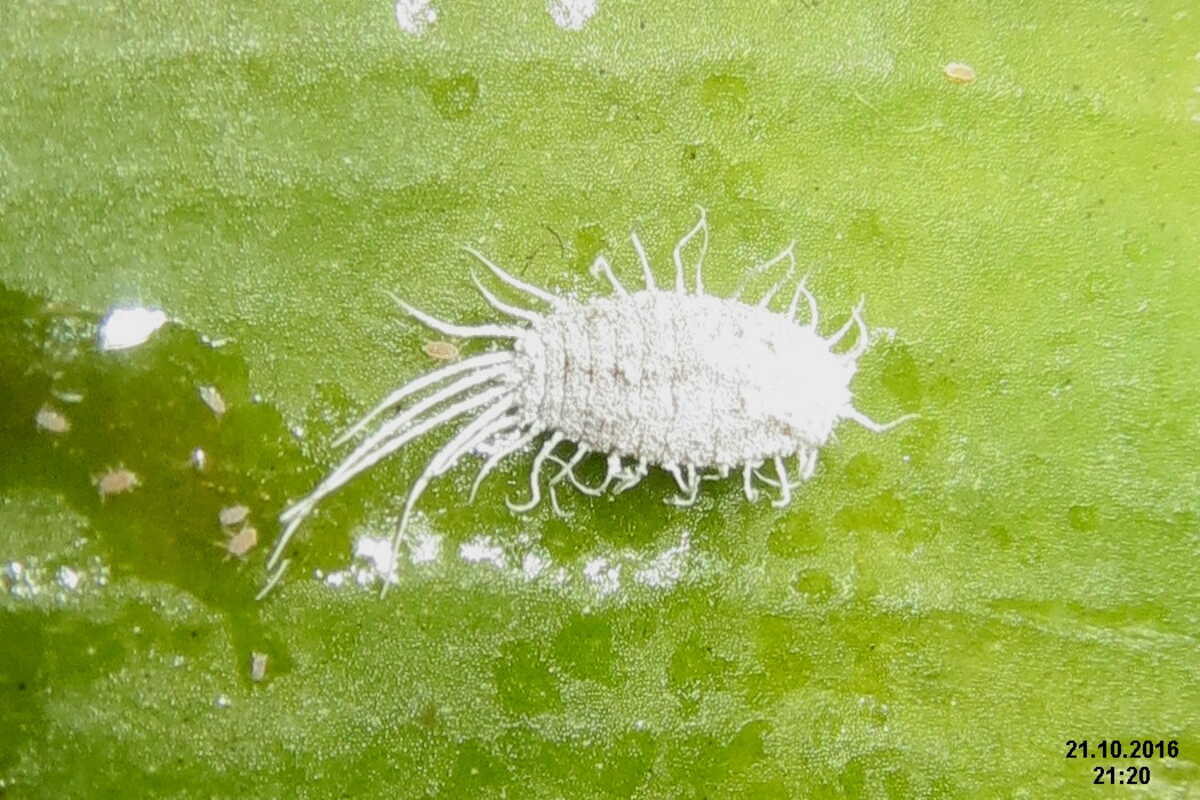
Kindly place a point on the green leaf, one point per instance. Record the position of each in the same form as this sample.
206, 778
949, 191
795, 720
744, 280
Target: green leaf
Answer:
940, 610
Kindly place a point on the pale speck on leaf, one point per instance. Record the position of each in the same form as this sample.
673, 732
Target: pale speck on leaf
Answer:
116, 481
242, 542
129, 327
377, 552
603, 574
68, 578
233, 515
959, 72
258, 666
52, 421
482, 548
441, 351
213, 399
67, 397
572, 15
424, 548
415, 16
665, 569
533, 564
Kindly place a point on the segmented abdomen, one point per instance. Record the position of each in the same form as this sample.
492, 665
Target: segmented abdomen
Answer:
669, 378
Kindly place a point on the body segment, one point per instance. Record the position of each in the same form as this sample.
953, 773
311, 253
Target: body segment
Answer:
684, 379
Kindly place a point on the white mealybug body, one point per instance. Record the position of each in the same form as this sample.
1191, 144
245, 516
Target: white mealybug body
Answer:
698, 385
682, 380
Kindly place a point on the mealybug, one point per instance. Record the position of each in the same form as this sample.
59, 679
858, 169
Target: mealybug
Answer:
670, 377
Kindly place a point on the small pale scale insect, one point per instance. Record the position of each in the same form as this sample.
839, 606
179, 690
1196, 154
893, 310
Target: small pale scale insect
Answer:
959, 72
212, 398
232, 515
441, 351
258, 666
698, 385
239, 543
48, 419
116, 481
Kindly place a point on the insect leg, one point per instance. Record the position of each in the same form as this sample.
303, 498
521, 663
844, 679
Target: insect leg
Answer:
748, 482
568, 472
691, 487
535, 489
641, 251
806, 460
516, 283
462, 331
505, 308
602, 266
785, 488
558, 512
774, 484
497, 456
582, 487
871, 425
677, 475
614, 471
701, 227
632, 477
553, 487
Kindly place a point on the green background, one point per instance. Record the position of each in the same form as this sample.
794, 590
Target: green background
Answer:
939, 611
